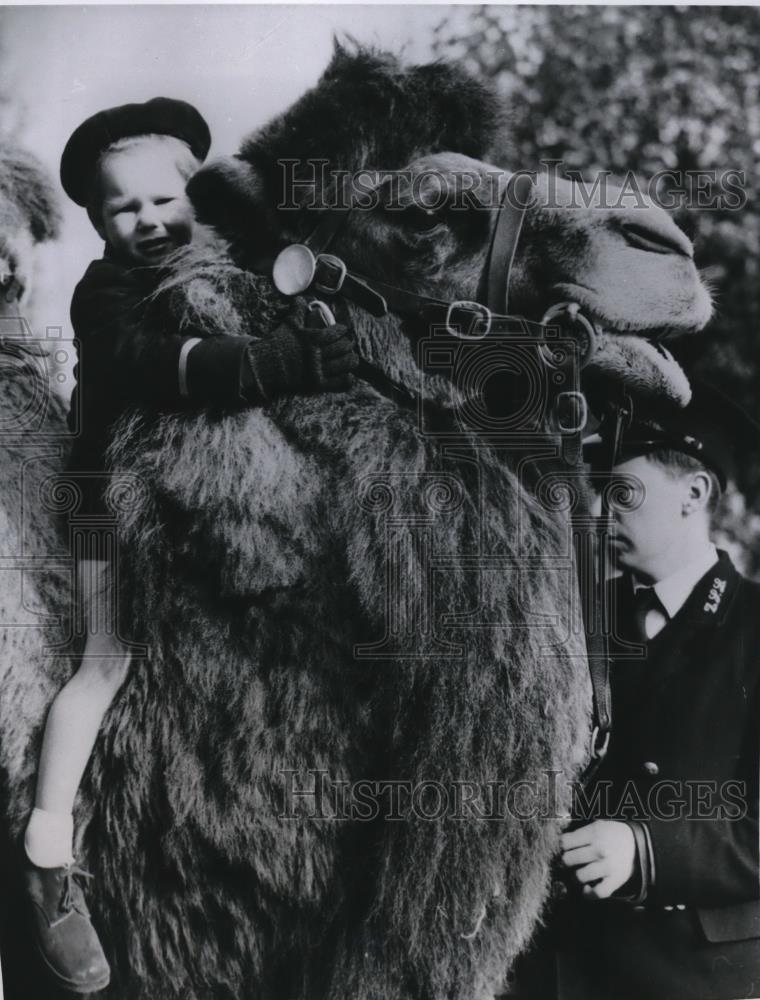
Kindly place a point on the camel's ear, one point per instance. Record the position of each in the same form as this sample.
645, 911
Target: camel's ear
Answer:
26, 184
227, 194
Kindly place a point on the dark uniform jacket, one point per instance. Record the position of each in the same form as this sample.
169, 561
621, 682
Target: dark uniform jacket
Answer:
128, 357
683, 761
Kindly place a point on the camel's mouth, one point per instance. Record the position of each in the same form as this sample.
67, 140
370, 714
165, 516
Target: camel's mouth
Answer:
646, 371
632, 360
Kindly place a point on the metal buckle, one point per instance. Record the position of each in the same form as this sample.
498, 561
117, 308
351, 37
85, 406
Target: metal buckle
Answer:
579, 400
340, 267
322, 310
599, 750
570, 313
483, 315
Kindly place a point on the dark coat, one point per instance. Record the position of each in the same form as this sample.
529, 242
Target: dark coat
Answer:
685, 711
130, 355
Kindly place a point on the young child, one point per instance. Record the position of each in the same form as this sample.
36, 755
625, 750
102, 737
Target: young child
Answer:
128, 167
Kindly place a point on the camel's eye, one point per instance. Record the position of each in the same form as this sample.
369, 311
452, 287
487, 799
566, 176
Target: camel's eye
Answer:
422, 217
415, 202
417, 218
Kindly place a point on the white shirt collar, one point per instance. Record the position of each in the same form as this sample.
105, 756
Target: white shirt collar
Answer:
674, 590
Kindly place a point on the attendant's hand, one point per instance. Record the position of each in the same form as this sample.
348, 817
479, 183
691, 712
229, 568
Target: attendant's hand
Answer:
602, 854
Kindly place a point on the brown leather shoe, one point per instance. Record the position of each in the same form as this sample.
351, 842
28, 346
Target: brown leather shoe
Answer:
67, 941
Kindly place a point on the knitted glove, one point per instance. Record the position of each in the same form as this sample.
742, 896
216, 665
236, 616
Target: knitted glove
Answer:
298, 359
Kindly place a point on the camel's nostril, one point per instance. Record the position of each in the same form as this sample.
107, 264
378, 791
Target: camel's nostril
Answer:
651, 240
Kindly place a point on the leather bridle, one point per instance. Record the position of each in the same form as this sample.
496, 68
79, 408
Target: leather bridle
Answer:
309, 268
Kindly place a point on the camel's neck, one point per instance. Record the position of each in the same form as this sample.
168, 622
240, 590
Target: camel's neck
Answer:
386, 347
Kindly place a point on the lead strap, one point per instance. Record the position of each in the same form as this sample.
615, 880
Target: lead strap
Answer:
620, 413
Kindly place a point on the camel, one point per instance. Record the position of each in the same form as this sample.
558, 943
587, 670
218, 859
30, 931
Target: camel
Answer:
33, 431
35, 574
29, 215
366, 663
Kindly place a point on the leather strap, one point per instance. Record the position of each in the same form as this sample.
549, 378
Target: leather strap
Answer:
432, 311
379, 297
326, 230
506, 234
597, 632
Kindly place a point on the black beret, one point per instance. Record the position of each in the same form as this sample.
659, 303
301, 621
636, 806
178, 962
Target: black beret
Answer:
712, 428
160, 116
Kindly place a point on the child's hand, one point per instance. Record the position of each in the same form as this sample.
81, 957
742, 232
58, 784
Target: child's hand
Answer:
331, 357
295, 358
602, 854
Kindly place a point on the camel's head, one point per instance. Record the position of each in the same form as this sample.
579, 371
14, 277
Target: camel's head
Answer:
630, 268
29, 214
408, 149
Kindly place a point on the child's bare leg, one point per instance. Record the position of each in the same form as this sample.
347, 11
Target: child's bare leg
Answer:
69, 944
72, 727
70, 733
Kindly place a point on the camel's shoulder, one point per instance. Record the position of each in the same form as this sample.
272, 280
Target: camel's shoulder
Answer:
360, 428
367, 444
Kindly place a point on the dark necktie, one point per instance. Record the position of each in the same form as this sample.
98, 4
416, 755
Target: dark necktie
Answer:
644, 600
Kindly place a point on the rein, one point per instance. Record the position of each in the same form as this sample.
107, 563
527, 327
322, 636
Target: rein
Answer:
308, 267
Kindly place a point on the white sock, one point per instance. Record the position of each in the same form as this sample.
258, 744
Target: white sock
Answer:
48, 839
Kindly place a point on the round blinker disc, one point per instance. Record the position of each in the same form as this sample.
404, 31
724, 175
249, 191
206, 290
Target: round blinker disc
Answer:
294, 269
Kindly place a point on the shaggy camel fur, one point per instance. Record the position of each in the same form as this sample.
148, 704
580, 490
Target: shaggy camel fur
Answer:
333, 596
32, 432
34, 566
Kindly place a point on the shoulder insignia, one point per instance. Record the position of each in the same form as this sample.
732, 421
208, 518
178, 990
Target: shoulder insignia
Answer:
716, 595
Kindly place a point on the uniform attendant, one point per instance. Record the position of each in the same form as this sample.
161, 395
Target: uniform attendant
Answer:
661, 861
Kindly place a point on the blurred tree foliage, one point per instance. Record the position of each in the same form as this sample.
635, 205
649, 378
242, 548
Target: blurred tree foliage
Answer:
647, 89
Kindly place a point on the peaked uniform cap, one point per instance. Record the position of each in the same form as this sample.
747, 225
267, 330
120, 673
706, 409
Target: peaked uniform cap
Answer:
159, 116
712, 428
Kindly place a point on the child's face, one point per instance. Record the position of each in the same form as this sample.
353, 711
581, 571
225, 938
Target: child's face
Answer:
145, 213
